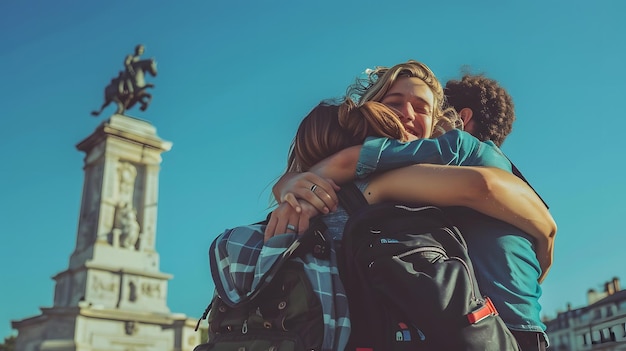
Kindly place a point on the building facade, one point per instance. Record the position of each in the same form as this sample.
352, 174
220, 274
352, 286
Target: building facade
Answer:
601, 325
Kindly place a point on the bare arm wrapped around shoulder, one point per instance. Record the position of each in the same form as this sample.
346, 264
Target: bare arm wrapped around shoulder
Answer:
318, 186
491, 191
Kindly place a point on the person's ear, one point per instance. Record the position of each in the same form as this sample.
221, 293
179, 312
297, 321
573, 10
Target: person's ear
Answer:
466, 115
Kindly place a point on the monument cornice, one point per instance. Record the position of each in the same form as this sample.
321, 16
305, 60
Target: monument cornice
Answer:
122, 270
115, 269
125, 128
93, 311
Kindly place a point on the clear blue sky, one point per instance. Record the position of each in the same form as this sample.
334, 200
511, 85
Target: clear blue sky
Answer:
236, 77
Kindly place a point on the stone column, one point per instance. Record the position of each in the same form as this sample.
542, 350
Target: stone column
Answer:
118, 220
113, 295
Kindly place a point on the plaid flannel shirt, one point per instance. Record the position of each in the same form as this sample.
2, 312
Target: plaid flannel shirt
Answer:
244, 262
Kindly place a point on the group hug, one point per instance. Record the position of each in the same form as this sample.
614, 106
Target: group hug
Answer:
399, 225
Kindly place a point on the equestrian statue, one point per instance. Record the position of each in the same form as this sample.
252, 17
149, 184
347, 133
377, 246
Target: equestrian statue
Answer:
129, 87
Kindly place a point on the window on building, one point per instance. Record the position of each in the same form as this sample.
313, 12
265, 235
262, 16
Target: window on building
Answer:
609, 310
604, 337
612, 335
564, 340
584, 318
596, 337
563, 321
597, 313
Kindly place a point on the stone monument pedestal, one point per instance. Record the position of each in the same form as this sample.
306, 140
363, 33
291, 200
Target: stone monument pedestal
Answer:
112, 296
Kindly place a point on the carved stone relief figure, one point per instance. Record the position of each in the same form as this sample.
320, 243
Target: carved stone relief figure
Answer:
132, 292
127, 174
151, 289
103, 287
130, 327
126, 227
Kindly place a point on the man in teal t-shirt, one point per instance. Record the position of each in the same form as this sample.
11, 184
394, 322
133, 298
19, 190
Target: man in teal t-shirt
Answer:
503, 256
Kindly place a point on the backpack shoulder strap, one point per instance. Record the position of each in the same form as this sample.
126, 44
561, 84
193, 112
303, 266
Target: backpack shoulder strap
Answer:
351, 198
519, 174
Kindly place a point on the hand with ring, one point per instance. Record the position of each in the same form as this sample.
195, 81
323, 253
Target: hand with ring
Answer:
284, 220
307, 186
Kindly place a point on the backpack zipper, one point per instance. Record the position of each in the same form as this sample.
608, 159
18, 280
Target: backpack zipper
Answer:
422, 249
442, 252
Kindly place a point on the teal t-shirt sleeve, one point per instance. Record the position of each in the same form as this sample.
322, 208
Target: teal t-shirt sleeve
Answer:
489, 155
453, 148
370, 155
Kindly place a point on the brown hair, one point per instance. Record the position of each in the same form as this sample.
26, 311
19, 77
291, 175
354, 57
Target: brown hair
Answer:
330, 128
492, 107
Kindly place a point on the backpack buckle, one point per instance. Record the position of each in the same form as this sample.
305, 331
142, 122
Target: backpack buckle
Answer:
321, 248
488, 309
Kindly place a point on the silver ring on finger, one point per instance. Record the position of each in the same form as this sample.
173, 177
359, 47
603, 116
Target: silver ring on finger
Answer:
292, 227
313, 187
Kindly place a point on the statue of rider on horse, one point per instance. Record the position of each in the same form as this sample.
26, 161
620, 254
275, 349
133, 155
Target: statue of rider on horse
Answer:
129, 87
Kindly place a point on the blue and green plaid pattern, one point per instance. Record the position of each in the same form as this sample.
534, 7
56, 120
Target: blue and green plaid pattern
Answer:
244, 264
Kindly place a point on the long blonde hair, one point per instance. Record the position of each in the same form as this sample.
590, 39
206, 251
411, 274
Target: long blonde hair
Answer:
380, 80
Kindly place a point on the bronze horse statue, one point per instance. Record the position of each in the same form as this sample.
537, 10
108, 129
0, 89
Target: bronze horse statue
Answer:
126, 90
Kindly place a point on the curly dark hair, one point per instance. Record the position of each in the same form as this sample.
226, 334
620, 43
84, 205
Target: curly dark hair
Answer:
492, 107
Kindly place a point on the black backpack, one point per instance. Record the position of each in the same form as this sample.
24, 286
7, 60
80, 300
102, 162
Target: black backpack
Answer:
410, 282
